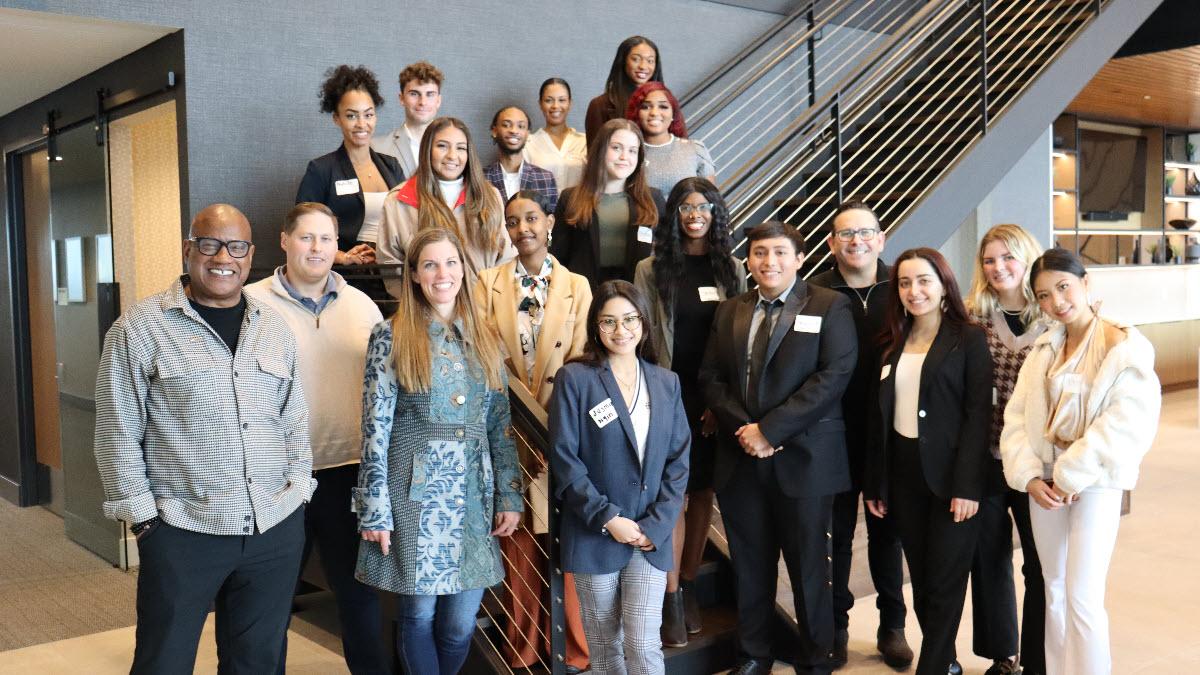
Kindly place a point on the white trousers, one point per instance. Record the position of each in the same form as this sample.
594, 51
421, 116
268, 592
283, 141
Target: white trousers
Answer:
1075, 544
622, 614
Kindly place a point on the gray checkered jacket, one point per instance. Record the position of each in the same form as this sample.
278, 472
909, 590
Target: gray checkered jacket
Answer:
211, 442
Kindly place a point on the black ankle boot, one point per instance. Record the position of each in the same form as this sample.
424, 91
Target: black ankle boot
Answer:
674, 631
691, 608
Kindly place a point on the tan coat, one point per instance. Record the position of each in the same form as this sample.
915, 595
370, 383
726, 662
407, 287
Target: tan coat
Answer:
399, 223
564, 326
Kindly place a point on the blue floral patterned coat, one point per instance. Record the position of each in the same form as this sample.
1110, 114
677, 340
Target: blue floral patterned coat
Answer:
435, 467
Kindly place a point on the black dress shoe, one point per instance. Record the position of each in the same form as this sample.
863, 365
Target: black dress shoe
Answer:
673, 632
691, 607
839, 656
955, 668
894, 647
752, 667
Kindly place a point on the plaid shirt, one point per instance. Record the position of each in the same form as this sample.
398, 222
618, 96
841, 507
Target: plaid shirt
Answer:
210, 442
532, 178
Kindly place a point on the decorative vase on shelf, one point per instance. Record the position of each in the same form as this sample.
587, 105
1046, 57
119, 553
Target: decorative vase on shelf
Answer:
1168, 181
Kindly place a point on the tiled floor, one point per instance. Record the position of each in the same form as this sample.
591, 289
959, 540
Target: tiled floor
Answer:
1153, 590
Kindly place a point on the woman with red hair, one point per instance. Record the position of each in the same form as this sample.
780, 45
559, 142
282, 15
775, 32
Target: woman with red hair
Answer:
670, 155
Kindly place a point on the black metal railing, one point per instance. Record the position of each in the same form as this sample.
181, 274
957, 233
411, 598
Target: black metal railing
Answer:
903, 114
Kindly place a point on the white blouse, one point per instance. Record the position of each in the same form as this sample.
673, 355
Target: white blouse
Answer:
566, 163
640, 415
372, 214
908, 394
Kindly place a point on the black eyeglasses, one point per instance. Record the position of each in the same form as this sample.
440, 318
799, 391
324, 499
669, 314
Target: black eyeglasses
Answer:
630, 322
209, 246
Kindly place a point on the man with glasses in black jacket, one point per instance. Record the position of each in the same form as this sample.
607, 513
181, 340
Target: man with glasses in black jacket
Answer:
856, 240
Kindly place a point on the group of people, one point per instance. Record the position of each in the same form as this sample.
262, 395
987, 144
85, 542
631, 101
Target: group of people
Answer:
240, 425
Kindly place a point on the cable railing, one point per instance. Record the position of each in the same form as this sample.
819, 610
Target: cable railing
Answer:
906, 113
737, 109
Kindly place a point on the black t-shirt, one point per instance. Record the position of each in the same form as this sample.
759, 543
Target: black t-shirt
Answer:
226, 321
693, 318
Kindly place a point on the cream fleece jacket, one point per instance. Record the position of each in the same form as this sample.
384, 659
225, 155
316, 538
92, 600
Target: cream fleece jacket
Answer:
333, 357
1121, 415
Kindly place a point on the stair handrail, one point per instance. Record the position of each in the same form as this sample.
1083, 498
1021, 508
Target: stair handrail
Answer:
846, 92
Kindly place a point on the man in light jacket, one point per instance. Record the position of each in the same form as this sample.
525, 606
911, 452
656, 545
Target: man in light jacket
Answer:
202, 447
332, 322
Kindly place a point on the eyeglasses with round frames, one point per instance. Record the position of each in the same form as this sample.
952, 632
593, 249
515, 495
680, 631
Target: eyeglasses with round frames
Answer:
208, 246
867, 234
629, 322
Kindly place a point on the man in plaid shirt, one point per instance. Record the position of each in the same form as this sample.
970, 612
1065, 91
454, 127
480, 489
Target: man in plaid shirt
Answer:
202, 446
510, 173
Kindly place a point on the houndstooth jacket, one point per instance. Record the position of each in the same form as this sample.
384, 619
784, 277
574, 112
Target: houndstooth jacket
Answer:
211, 442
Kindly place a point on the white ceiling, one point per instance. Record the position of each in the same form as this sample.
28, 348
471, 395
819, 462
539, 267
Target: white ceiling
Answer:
41, 52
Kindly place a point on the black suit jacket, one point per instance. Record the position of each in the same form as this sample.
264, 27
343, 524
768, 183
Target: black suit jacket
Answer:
319, 185
953, 418
579, 248
800, 391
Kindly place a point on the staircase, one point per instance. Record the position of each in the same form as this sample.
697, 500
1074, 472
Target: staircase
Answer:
918, 109
919, 123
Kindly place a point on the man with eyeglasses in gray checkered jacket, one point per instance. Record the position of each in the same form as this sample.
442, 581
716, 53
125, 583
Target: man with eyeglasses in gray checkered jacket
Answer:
202, 445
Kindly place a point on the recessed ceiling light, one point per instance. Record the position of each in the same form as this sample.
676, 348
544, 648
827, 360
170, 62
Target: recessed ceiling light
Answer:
1147, 97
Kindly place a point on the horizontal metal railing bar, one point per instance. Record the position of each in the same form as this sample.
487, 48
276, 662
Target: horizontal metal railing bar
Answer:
728, 67
707, 110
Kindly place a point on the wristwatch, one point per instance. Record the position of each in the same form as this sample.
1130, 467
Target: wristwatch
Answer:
138, 528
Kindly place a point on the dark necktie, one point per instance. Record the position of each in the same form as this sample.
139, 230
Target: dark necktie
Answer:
758, 353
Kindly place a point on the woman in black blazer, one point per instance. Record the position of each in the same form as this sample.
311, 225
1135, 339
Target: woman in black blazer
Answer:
619, 463
931, 442
606, 223
354, 179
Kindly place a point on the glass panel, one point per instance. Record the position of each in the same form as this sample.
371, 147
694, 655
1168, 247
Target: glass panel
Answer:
79, 218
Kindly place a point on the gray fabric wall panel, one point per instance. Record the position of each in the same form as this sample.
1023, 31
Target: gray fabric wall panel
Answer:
254, 69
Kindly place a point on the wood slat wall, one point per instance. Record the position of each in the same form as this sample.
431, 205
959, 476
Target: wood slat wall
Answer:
1171, 80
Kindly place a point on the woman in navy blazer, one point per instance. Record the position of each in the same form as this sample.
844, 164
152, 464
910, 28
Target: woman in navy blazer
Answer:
621, 494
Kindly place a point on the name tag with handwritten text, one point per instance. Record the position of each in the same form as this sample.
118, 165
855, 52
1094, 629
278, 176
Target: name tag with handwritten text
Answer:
709, 294
346, 187
603, 413
807, 324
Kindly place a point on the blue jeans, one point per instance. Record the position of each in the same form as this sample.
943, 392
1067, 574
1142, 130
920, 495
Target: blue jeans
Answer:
435, 631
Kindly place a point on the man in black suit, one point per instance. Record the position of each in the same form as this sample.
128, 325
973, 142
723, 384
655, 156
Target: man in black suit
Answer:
777, 363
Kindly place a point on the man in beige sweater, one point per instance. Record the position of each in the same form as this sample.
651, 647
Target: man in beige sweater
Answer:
332, 322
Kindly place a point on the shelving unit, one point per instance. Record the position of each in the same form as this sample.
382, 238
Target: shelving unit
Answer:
1145, 237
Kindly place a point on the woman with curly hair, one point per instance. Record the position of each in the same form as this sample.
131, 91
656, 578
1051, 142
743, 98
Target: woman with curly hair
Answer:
691, 271
449, 191
354, 179
670, 155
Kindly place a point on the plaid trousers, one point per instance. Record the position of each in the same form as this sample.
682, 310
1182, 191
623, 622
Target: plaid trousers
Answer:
622, 614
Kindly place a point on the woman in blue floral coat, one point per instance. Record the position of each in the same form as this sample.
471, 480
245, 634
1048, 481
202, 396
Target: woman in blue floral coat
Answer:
439, 479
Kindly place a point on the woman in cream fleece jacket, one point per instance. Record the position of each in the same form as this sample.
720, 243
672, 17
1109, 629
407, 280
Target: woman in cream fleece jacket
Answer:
1083, 414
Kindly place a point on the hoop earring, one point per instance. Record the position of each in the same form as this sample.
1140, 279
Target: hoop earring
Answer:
943, 304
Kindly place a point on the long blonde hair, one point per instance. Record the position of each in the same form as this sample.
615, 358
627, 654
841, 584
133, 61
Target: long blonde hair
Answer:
982, 301
484, 214
410, 324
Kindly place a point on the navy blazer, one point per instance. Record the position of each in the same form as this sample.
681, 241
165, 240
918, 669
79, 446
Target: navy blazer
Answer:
953, 418
595, 471
319, 185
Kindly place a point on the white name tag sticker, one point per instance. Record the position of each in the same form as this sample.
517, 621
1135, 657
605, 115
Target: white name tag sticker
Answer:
709, 294
887, 370
346, 187
807, 324
604, 413
645, 234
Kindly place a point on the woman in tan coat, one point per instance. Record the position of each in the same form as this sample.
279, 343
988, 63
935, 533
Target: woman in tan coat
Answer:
448, 191
538, 308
